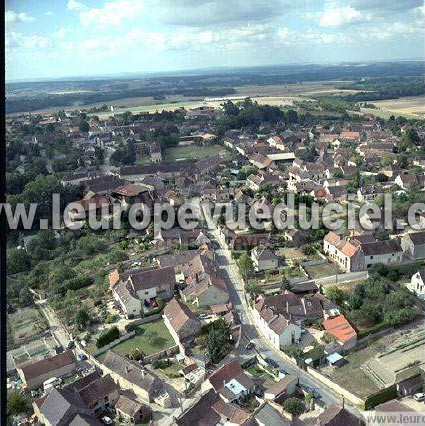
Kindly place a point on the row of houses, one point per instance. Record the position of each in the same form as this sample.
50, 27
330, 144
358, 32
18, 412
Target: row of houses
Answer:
359, 252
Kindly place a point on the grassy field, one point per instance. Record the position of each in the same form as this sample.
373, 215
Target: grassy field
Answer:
193, 152
320, 271
151, 338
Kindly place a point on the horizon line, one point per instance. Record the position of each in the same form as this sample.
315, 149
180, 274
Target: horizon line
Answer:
186, 71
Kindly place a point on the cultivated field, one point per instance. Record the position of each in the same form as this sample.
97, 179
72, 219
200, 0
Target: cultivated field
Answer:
25, 323
36, 349
411, 107
276, 94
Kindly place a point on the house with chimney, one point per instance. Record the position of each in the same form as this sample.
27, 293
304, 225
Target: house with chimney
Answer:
264, 259
341, 251
181, 322
131, 375
413, 244
34, 373
87, 397
275, 322
357, 254
205, 284
139, 290
231, 382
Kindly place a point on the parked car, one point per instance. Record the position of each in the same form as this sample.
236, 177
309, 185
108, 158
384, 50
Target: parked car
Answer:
70, 345
250, 346
107, 420
82, 357
204, 316
419, 396
312, 391
282, 372
271, 362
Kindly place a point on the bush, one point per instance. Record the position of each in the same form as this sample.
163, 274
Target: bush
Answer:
107, 336
294, 406
380, 397
73, 284
131, 326
160, 363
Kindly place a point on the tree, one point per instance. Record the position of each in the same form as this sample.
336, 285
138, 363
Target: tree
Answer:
218, 340
25, 297
17, 403
108, 336
84, 126
294, 406
246, 265
336, 295
81, 318
135, 354
308, 250
253, 289
18, 261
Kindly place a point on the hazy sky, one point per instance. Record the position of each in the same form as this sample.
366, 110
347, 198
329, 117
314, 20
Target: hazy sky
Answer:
59, 38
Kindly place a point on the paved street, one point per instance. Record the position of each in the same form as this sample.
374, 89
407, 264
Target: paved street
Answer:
237, 297
55, 325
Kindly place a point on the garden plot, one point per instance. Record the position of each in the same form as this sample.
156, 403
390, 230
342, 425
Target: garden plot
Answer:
26, 323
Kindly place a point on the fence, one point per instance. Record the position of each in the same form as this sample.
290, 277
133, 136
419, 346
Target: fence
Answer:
335, 387
314, 262
166, 353
114, 343
145, 320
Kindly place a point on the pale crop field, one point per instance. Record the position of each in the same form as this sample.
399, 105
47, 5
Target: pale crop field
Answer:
413, 106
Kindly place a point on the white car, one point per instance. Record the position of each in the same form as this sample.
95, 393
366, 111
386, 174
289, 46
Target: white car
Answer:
419, 396
107, 420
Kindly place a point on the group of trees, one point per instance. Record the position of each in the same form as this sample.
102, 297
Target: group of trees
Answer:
218, 341
376, 301
251, 114
107, 336
385, 88
125, 154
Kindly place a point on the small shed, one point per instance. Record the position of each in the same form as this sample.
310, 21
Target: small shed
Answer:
335, 359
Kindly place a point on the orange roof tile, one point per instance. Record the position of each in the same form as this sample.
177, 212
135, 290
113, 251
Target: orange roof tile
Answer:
339, 328
114, 277
332, 238
349, 249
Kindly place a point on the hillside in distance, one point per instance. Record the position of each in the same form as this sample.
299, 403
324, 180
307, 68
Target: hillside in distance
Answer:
198, 84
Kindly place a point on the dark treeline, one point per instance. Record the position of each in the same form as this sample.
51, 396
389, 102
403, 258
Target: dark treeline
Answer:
386, 88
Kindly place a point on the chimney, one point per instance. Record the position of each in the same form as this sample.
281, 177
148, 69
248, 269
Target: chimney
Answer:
343, 401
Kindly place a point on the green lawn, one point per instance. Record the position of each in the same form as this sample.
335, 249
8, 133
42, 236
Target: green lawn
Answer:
255, 370
173, 370
192, 152
150, 338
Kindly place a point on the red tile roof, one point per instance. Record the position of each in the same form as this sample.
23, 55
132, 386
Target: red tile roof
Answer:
225, 373
339, 328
